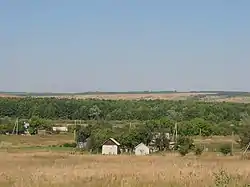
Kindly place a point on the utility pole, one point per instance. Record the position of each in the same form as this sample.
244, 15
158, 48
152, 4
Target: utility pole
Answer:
232, 146
176, 133
15, 129
243, 154
232, 141
200, 137
75, 131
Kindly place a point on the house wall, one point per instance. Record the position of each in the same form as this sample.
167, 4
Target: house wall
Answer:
142, 150
109, 149
61, 129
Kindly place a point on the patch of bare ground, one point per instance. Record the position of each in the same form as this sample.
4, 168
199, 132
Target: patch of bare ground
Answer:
8, 96
235, 100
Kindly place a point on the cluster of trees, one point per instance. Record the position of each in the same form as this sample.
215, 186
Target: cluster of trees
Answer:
157, 116
7, 125
53, 108
191, 116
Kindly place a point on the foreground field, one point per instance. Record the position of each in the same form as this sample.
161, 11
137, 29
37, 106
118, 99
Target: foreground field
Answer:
29, 161
51, 169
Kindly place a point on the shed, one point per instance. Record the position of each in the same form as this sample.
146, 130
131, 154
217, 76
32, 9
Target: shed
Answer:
110, 147
141, 149
60, 129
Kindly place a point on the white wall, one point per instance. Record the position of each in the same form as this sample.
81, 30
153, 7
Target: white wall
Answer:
109, 149
142, 150
61, 129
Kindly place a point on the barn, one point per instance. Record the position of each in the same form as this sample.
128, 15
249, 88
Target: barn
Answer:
110, 147
141, 149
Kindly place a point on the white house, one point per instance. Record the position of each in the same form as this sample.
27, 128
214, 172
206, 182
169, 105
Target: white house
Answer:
141, 149
110, 147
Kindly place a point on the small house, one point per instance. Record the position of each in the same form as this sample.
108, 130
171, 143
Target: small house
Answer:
141, 149
110, 147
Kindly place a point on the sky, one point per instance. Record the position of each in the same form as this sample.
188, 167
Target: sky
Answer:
79, 46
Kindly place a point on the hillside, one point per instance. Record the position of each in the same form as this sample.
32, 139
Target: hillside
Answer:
209, 96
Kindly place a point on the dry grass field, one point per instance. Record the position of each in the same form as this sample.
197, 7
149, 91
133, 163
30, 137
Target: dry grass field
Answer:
14, 141
51, 169
166, 96
148, 96
152, 96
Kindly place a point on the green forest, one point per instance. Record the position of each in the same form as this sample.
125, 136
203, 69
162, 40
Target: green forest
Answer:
192, 117
212, 118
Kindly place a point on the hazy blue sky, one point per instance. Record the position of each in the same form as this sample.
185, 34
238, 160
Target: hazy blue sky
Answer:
111, 45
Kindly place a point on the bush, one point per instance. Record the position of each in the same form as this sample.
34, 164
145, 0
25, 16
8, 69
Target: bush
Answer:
183, 150
222, 178
185, 141
69, 144
226, 149
198, 150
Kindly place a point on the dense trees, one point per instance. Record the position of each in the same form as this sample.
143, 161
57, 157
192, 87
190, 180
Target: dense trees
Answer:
193, 117
157, 116
52, 108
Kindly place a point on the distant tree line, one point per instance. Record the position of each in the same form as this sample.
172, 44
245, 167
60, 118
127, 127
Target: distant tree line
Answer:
193, 117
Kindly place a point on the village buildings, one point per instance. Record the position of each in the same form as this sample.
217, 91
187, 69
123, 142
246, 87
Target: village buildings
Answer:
111, 147
141, 149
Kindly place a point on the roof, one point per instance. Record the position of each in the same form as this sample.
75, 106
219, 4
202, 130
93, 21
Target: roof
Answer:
141, 144
113, 140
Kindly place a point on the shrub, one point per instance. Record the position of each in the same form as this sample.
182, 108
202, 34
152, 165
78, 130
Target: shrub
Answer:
226, 149
222, 178
69, 144
183, 150
185, 141
198, 150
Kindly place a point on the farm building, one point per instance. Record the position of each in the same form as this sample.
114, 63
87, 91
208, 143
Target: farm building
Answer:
141, 149
60, 129
110, 147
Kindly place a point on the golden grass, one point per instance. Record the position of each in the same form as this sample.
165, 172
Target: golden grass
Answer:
50, 169
147, 96
163, 96
35, 140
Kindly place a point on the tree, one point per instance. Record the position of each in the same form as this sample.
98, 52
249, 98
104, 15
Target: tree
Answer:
37, 123
184, 145
82, 133
185, 141
244, 132
94, 112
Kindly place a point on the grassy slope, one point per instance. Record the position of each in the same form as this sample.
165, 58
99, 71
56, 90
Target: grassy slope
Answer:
218, 96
